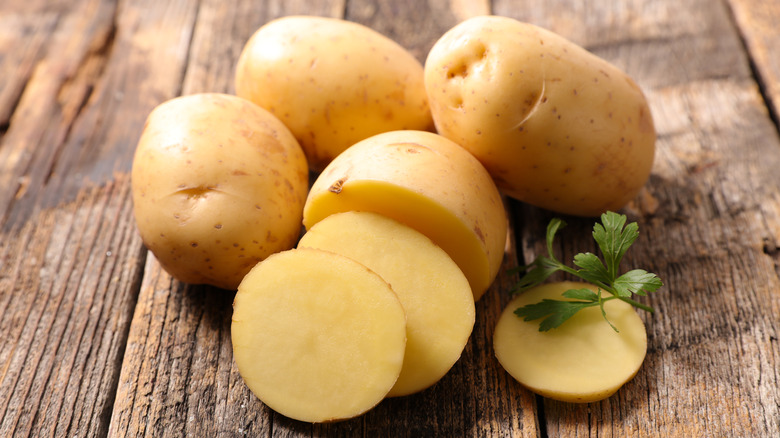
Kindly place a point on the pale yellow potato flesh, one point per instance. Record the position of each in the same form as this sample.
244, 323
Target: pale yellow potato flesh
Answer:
434, 292
332, 82
555, 125
317, 336
426, 182
218, 184
582, 360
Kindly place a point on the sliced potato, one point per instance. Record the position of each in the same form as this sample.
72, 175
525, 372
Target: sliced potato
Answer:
427, 182
434, 292
317, 336
583, 360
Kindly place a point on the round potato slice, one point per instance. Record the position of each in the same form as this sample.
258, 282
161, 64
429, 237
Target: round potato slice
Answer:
317, 336
424, 181
434, 292
582, 360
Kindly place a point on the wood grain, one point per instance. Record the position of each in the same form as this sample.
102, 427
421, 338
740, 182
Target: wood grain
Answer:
413, 24
72, 258
97, 340
757, 23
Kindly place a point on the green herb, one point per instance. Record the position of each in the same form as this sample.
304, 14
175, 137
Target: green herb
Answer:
614, 238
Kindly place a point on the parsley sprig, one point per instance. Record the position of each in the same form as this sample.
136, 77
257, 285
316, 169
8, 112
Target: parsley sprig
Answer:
614, 238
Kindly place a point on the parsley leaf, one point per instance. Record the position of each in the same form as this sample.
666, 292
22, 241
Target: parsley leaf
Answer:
614, 238
637, 281
592, 268
554, 312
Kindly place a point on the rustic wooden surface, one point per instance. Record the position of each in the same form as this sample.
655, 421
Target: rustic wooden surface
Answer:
96, 340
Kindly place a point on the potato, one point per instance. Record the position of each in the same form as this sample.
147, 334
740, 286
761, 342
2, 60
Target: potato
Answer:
434, 292
556, 126
428, 183
317, 336
582, 360
332, 82
218, 184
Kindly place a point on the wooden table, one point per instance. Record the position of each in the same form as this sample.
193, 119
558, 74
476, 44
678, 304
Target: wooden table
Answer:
95, 339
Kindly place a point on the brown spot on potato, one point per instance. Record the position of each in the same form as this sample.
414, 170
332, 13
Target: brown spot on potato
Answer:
478, 232
337, 186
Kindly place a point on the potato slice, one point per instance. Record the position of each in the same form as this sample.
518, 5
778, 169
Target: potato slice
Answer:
583, 360
426, 182
434, 292
317, 336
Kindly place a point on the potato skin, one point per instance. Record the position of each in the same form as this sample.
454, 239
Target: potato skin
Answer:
218, 185
556, 126
332, 82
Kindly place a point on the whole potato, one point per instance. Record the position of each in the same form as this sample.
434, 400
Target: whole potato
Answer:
555, 125
218, 185
332, 82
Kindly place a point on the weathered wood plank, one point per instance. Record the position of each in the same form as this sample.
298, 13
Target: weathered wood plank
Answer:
72, 258
418, 30
757, 22
709, 224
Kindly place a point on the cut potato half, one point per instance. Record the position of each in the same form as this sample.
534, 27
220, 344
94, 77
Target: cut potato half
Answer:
582, 360
432, 289
317, 336
427, 182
